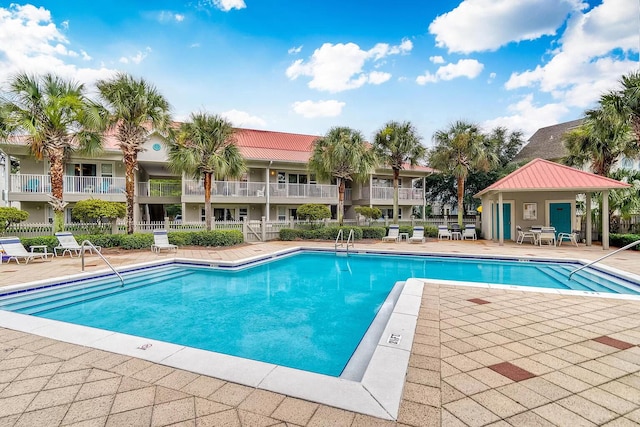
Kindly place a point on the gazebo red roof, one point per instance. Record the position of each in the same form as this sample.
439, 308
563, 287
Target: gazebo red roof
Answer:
541, 175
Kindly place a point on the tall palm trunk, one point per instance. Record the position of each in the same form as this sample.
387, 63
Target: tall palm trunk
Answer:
460, 199
207, 200
130, 161
396, 177
56, 170
341, 186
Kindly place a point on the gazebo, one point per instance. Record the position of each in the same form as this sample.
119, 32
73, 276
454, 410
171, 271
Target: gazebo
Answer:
543, 193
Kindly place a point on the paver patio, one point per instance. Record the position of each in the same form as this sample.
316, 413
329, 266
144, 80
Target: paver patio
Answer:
480, 357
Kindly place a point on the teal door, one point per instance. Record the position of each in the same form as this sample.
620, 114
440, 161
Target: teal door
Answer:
506, 220
560, 217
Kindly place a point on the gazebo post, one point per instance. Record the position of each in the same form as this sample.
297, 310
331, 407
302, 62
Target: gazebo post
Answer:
500, 221
605, 219
589, 225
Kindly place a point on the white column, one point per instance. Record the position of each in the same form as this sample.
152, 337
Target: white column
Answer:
500, 221
605, 220
424, 198
589, 225
267, 172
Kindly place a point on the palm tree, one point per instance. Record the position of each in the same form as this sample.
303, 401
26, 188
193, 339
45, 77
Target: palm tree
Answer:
602, 139
342, 154
627, 101
136, 109
461, 149
205, 146
55, 118
398, 145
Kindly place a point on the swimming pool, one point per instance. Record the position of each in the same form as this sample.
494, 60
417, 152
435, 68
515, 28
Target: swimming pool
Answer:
267, 276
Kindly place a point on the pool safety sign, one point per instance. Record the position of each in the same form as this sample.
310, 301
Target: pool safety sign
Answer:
394, 339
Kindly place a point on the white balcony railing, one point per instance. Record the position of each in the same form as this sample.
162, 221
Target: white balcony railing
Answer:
160, 189
304, 191
386, 193
226, 188
33, 183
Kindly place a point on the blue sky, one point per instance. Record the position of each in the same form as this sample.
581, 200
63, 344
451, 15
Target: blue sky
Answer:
305, 66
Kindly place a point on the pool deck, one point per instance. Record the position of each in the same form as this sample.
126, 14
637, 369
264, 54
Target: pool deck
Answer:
480, 357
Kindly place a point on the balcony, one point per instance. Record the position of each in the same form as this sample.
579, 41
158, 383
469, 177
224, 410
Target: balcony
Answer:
160, 189
32, 183
405, 195
306, 191
226, 188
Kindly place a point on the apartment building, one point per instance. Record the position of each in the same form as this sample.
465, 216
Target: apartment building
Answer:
275, 184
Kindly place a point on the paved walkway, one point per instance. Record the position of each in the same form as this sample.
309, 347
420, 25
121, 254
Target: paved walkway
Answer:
480, 357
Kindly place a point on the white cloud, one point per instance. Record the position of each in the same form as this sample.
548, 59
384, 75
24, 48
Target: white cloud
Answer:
137, 58
168, 16
527, 117
311, 109
437, 59
30, 40
243, 119
339, 67
194, 45
294, 50
469, 68
591, 56
227, 5
481, 25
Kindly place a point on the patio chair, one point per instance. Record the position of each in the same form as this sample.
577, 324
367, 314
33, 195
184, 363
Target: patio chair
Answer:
547, 234
418, 235
260, 193
443, 232
161, 241
522, 235
571, 237
67, 243
14, 250
469, 232
393, 235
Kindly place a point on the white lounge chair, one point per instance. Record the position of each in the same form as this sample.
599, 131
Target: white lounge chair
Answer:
14, 249
443, 232
161, 241
69, 244
418, 235
393, 235
571, 237
547, 234
469, 232
522, 235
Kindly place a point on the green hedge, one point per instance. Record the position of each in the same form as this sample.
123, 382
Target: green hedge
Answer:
145, 240
620, 240
325, 233
374, 232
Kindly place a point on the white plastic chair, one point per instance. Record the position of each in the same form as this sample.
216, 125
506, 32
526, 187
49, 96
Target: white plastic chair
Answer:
522, 235
393, 235
68, 244
161, 241
443, 232
14, 249
547, 234
571, 237
469, 232
418, 235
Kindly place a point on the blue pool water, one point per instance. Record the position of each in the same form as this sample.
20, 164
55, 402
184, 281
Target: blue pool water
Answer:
307, 311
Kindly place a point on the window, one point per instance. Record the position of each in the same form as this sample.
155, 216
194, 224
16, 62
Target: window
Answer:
385, 182
243, 213
388, 213
282, 213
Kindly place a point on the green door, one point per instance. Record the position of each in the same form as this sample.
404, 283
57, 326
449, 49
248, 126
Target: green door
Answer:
560, 217
506, 220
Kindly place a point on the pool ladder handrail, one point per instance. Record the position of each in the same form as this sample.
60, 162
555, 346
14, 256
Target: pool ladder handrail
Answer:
601, 258
92, 246
340, 238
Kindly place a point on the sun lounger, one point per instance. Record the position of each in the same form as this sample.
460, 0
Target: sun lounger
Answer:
469, 232
161, 241
418, 235
69, 244
394, 234
443, 232
14, 249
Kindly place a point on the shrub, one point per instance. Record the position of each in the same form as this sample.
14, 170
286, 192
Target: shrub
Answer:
313, 211
50, 241
216, 238
373, 232
288, 234
620, 240
11, 215
369, 213
136, 241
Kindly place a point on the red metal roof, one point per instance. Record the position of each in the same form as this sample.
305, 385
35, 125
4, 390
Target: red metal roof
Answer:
539, 175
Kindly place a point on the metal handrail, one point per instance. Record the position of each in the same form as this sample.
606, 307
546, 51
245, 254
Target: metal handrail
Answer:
601, 258
351, 238
91, 245
340, 237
